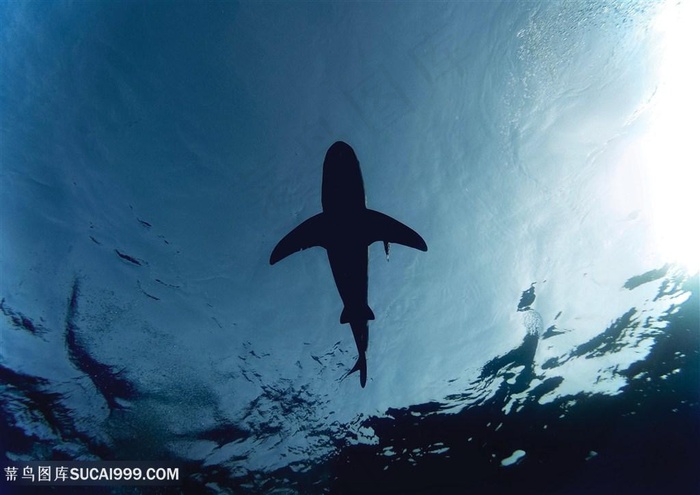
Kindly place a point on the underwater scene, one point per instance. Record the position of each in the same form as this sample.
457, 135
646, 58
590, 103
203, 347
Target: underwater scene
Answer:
351, 247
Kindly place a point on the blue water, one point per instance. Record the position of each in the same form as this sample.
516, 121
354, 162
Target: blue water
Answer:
152, 154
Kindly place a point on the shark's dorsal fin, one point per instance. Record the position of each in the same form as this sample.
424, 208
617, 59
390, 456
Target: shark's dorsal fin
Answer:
381, 227
308, 234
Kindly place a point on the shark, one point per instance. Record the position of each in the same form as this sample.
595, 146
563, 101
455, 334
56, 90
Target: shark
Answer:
345, 228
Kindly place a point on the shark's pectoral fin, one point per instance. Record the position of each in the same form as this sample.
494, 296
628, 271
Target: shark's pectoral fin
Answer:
308, 234
381, 227
361, 314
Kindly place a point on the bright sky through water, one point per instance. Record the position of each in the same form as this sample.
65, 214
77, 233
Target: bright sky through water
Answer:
670, 146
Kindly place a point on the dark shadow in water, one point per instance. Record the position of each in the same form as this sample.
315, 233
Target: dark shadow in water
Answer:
32, 394
21, 321
108, 382
527, 298
647, 277
43, 400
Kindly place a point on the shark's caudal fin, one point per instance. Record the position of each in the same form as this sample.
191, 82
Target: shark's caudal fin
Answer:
381, 227
361, 366
360, 331
309, 233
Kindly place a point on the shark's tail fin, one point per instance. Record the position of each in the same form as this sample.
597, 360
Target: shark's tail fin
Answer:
361, 366
360, 331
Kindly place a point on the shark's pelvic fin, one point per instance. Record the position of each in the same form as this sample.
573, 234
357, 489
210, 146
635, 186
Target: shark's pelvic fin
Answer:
381, 227
309, 233
357, 314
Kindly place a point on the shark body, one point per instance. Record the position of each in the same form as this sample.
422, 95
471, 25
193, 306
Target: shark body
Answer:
346, 228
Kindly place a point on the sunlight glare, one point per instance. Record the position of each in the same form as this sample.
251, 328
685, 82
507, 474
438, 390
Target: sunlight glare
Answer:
670, 146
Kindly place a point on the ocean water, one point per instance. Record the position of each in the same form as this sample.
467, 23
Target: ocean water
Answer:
152, 154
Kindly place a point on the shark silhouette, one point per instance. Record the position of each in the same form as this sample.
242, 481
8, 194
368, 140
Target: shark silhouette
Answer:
346, 228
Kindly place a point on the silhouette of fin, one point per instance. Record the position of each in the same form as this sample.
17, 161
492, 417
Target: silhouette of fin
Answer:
361, 366
308, 234
363, 314
381, 227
